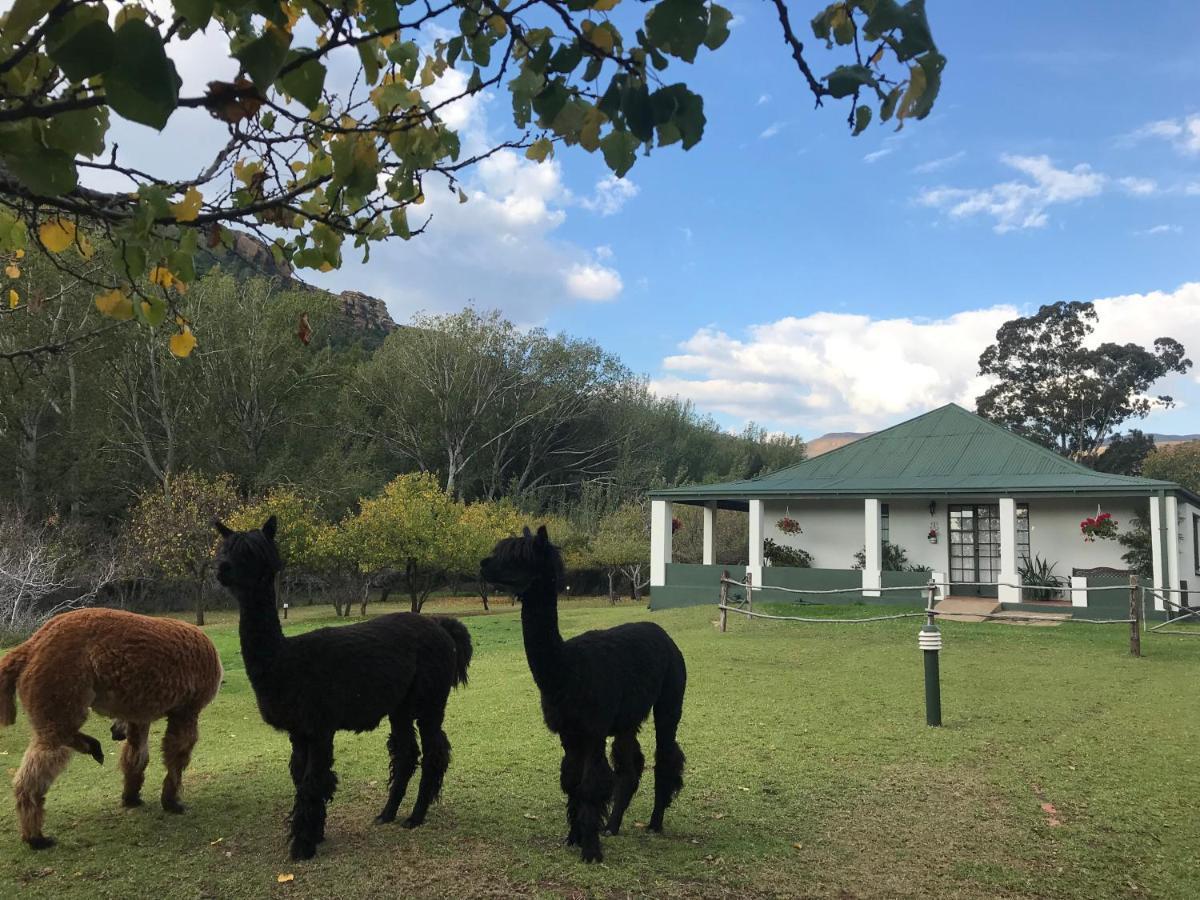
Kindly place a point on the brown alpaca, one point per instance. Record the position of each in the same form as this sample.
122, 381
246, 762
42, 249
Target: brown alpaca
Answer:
133, 668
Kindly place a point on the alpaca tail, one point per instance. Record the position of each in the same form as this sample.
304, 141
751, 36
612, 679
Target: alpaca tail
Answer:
10, 670
462, 645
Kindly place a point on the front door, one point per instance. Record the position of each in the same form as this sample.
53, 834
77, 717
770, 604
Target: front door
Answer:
974, 550
975, 547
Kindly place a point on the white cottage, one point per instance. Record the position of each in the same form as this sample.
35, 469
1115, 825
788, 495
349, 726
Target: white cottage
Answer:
966, 499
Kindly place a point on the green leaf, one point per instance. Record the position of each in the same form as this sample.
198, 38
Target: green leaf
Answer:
264, 56
678, 27
304, 82
845, 80
620, 151
382, 15
550, 101
45, 171
150, 310
13, 233
142, 84
539, 150
718, 27
679, 114
369, 57
889, 104
638, 113
862, 118
196, 12
566, 57
81, 43
79, 132
925, 80
21, 17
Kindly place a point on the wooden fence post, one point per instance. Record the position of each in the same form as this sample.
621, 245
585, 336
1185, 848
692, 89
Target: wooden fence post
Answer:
1135, 617
749, 592
724, 601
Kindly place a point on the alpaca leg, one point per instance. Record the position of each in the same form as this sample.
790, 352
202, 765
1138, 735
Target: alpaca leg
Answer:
296, 766
628, 762
668, 759
595, 792
43, 763
82, 743
570, 774
182, 734
435, 759
134, 757
404, 752
316, 788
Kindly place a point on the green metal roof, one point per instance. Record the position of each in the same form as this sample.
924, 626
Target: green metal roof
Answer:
946, 451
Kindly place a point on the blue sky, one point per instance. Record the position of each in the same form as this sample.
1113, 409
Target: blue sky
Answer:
785, 272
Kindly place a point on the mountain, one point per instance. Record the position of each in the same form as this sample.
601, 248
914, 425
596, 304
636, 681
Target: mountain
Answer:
366, 318
833, 440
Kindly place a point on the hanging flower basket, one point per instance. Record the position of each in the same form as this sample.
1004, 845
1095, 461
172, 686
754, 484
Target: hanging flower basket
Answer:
676, 525
933, 534
788, 525
1102, 526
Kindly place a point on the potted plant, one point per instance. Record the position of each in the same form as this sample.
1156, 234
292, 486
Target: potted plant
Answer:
676, 525
1102, 526
933, 534
788, 525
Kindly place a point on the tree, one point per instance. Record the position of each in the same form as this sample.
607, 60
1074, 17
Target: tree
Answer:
622, 544
1179, 463
414, 527
297, 531
1125, 454
1053, 388
335, 118
1139, 547
483, 524
169, 532
339, 556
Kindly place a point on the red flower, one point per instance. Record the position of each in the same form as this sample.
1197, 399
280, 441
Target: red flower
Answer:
676, 525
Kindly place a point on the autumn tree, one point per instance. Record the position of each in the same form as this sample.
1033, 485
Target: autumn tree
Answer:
1051, 386
298, 529
169, 532
1179, 463
622, 545
335, 118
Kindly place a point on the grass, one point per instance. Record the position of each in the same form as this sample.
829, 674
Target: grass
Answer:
810, 773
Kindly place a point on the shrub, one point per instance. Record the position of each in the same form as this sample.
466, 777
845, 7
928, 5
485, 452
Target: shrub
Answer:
780, 555
1037, 575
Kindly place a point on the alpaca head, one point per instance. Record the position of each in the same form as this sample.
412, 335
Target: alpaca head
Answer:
520, 563
247, 559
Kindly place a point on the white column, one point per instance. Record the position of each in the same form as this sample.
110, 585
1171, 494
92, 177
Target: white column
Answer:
1078, 590
1172, 513
755, 568
710, 533
872, 578
1156, 550
1008, 551
660, 541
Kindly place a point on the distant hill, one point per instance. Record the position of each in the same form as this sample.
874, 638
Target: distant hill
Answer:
366, 319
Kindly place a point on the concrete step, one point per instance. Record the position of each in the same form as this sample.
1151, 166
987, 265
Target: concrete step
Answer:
967, 609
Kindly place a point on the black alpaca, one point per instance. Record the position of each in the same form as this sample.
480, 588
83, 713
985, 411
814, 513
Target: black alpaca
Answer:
401, 666
597, 684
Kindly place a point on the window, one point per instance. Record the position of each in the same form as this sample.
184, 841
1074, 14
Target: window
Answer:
885, 526
1196, 542
975, 541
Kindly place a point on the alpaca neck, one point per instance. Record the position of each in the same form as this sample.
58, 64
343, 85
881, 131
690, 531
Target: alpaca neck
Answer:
259, 629
543, 643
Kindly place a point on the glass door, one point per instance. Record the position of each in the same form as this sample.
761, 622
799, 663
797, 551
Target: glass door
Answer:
975, 547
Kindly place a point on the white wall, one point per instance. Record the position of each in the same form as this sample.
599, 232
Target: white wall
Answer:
833, 531
1055, 536
1189, 565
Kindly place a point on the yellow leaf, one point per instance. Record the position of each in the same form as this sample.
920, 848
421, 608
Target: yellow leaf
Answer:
326, 267
462, 197
115, 305
604, 5
539, 150
85, 248
187, 209
13, 299
57, 235
20, 254
183, 343
12, 270
161, 276
498, 25
601, 37
284, 879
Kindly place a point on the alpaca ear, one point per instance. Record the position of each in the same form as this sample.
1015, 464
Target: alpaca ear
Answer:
526, 532
542, 535
222, 529
270, 526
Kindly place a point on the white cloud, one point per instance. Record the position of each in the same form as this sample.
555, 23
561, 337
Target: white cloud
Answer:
1018, 204
1160, 229
875, 155
593, 282
834, 371
771, 130
610, 195
603, 252
1139, 187
763, 99
935, 165
1182, 133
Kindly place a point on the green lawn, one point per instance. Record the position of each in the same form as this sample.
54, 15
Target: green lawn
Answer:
810, 773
